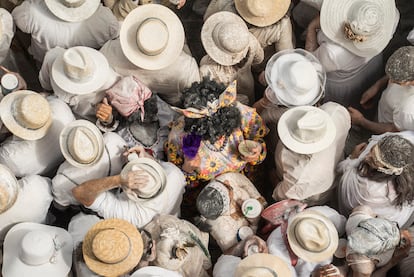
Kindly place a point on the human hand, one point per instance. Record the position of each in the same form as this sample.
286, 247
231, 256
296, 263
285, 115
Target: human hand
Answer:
139, 150
254, 241
327, 270
367, 101
104, 111
403, 250
356, 116
262, 79
134, 181
180, 4
358, 149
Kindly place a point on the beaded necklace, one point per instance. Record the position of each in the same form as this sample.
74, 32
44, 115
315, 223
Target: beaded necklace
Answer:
212, 147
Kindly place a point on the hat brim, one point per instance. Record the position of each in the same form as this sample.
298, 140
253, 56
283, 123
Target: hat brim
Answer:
8, 179
263, 260
215, 52
13, 266
275, 212
148, 271
63, 141
86, 10
334, 14
278, 10
6, 115
128, 35
292, 115
125, 265
304, 254
97, 80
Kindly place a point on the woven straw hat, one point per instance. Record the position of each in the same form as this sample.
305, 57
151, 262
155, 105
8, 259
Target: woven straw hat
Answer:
81, 143
262, 265
26, 114
262, 12
9, 188
73, 10
152, 36
112, 247
225, 38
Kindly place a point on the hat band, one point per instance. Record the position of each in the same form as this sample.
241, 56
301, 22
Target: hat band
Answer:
73, 4
351, 35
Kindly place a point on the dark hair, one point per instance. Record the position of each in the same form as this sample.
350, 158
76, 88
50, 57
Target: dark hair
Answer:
151, 111
222, 122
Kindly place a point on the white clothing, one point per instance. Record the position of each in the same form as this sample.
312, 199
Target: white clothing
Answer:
310, 177
48, 31
410, 37
391, 100
166, 82
69, 176
226, 266
111, 205
7, 33
32, 203
27, 157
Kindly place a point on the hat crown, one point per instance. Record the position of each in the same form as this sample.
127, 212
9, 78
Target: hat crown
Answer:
365, 17
111, 246
259, 271
310, 127
231, 37
37, 248
77, 65
8, 189
302, 76
152, 36
258, 7
312, 234
32, 111
73, 3
152, 186
83, 145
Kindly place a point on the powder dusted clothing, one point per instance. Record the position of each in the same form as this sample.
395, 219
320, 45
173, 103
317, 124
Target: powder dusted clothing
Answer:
6, 34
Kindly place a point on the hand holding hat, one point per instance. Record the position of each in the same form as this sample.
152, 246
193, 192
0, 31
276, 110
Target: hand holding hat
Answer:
104, 111
250, 150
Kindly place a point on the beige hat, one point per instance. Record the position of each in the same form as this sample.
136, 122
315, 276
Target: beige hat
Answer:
9, 188
112, 247
80, 70
306, 129
312, 236
155, 271
26, 114
73, 10
262, 12
364, 27
152, 36
262, 265
225, 38
81, 143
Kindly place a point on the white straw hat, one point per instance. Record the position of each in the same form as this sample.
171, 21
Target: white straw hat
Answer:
306, 129
262, 12
81, 143
73, 10
225, 38
155, 271
37, 250
9, 188
295, 77
262, 265
152, 36
80, 70
370, 24
26, 114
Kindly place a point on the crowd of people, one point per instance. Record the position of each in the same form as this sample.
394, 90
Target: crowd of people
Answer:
286, 149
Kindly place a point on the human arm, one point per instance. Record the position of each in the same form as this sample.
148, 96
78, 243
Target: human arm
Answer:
367, 98
359, 119
241, 249
311, 34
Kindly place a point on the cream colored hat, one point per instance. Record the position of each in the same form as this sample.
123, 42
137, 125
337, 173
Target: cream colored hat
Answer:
262, 12
225, 38
81, 143
369, 24
37, 250
73, 10
296, 78
262, 265
26, 114
80, 70
306, 129
112, 247
152, 36
9, 188
312, 236
155, 271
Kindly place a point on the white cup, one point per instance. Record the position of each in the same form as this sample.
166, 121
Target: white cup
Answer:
9, 82
251, 208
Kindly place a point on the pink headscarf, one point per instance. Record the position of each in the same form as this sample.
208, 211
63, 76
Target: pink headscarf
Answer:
128, 95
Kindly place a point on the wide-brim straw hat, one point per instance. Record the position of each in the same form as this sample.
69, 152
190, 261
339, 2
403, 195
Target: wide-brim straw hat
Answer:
75, 13
152, 36
26, 114
37, 250
312, 236
262, 265
262, 13
112, 247
80, 58
9, 188
81, 143
306, 129
335, 13
225, 38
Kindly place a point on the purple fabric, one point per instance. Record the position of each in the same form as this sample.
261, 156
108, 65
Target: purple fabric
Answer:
191, 143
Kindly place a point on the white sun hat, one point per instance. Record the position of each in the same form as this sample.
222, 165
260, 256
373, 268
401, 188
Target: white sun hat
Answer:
369, 23
152, 36
155, 271
262, 12
73, 10
306, 129
9, 188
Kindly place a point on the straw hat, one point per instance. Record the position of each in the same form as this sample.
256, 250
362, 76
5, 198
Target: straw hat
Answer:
112, 247
155, 271
81, 143
152, 36
213, 200
262, 12
26, 114
9, 188
37, 250
279, 212
306, 129
312, 236
296, 78
225, 38
262, 265
371, 21
73, 10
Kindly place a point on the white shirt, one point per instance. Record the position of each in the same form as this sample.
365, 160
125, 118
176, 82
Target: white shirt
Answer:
7, 33
111, 205
391, 99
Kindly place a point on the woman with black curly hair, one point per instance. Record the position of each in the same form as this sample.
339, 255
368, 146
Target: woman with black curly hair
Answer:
205, 141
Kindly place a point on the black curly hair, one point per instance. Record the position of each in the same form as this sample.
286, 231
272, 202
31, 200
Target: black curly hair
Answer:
151, 111
210, 128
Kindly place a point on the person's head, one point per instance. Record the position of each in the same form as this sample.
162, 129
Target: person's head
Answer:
214, 200
400, 66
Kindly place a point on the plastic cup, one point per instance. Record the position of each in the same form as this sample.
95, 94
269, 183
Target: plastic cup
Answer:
251, 208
